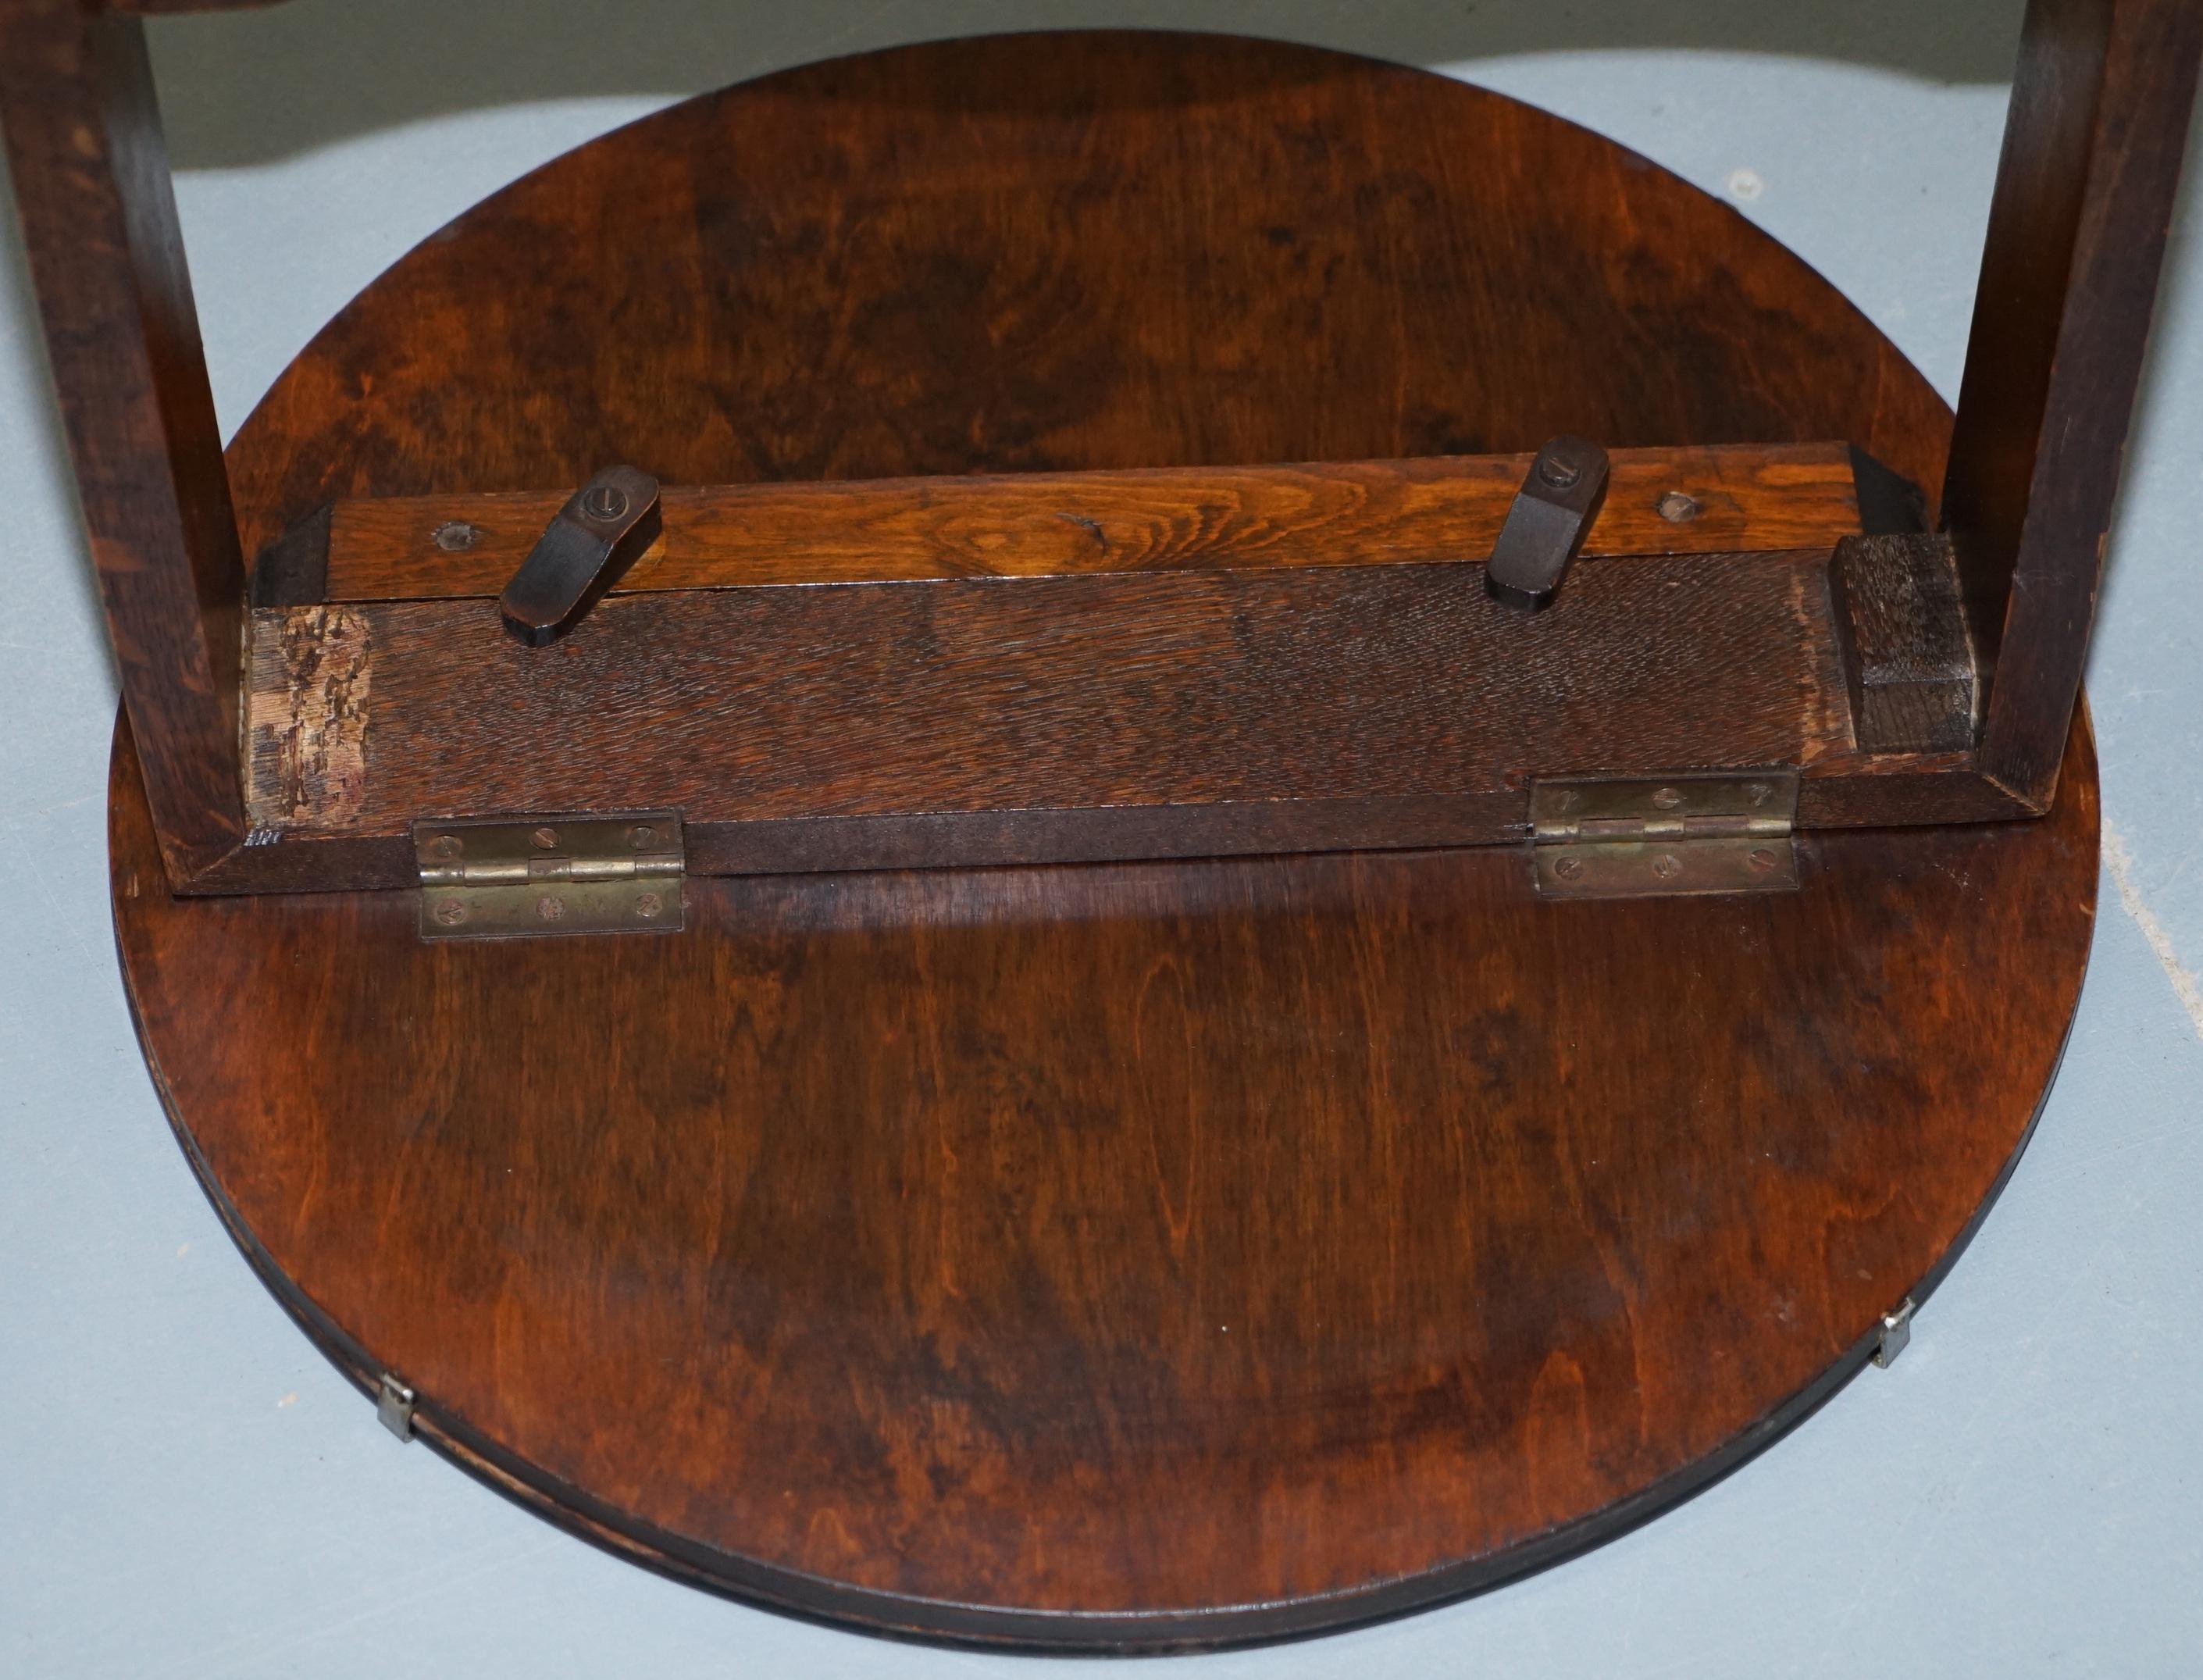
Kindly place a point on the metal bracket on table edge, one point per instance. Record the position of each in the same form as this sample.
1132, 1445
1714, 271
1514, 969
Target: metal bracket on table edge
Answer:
393, 1405
1896, 1335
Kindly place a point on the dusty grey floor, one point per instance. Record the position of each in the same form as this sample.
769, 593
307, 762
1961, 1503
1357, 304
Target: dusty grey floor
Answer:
185, 1489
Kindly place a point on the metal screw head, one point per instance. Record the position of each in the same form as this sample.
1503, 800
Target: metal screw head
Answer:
1559, 470
1667, 799
1679, 509
545, 838
550, 908
456, 536
649, 906
605, 501
1666, 866
1569, 868
642, 837
1761, 861
451, 913
446, 847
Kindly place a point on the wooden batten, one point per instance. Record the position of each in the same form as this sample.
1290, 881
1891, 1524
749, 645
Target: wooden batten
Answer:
1429, 512
1909, 656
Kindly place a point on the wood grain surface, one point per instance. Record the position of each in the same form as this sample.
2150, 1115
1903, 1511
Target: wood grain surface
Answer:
1113, 705
2084, 201
1160, 691
1909, 656
1115, 1257
896, 277
909, 290
1123, 1255
90, 176
1432, 512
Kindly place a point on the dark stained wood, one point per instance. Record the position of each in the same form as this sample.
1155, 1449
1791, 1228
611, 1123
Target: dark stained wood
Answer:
1433, 511
1115, 1257
294, 570
901, 292
1864, 790
1908, 658
99, 221
1083, 382
2089, 172
1228, 329
1076, 718
1889, 504
2077, 236
1125, 1255
1146, 696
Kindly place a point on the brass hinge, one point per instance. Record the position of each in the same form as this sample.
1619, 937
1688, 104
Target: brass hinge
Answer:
504, 878
1669, 836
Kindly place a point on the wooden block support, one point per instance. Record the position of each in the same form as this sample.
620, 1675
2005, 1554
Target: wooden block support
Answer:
1908, 659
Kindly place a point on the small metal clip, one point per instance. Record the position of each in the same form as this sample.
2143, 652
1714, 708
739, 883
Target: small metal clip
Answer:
394, 1404
1546, 527
1896, 1335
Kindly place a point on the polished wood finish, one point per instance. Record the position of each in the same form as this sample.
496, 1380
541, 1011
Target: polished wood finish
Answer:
1127, 1256
1432, 511
2077, 236
99, 221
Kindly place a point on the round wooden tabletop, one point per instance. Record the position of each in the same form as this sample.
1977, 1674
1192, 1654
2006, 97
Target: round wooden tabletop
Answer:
1125, 1256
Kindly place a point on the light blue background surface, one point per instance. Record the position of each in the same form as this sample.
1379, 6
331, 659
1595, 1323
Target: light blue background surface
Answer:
187, 1489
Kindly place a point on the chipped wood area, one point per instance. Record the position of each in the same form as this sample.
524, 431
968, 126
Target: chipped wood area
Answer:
306, 717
